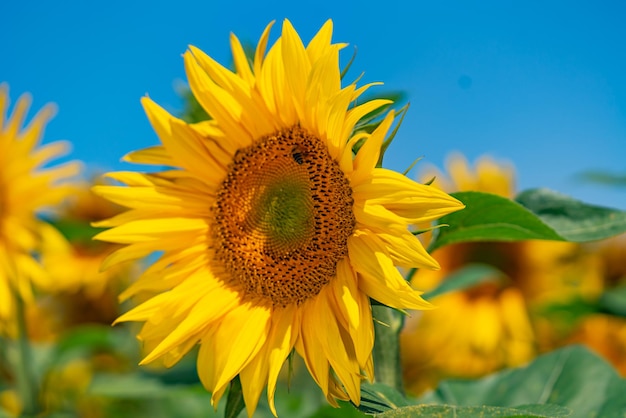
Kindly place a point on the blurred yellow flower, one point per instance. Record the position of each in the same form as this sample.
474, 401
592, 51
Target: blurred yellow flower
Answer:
274, 236
27, 186
603, 333
64, 389
10, 403
84, 294
488, 327
84, 255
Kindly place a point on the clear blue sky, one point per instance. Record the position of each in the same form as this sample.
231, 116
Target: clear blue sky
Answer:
542, 84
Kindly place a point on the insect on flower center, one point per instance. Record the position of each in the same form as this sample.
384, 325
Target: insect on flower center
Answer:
283, 216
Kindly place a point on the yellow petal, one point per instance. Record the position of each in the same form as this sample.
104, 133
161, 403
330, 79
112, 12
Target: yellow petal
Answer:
242, 332
335, 347
368, 155
156, 155
321, 42
297, 66
378, 277
152, 229
358, 311
411, 200
241, 61
285, 328
260, 48
309, 349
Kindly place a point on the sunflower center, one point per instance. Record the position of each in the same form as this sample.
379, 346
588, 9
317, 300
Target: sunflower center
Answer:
283, 216
282, 210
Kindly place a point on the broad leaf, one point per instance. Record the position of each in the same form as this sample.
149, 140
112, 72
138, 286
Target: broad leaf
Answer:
535, 214
572, 219
571, 377
488, 217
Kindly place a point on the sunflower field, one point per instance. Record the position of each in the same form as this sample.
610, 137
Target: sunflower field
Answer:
261, 260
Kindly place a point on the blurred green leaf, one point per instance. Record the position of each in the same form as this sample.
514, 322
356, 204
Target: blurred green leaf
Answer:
567, 314
613, 301
465, 278
572, 219
572, 377
345, 410
89, 337
130, 386
75, 231
139, 396
448, 411
488, 217
603, 177
234, 403
85, 340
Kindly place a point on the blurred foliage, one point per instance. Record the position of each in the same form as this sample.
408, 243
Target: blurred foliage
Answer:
192, 111
604, 178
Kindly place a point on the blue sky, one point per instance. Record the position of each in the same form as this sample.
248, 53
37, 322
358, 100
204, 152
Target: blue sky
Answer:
541, 84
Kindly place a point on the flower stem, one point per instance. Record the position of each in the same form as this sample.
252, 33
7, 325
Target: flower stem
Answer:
27, 383
387, 326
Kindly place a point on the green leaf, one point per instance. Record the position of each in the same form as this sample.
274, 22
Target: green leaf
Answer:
488, 217
572, 219
345, 410
234, 403
129, 386
88, 337
603, 177
75, 231
613, 301
138, 396
85, 340
568, 313
445, 411
465, 278
571, 377
378, 397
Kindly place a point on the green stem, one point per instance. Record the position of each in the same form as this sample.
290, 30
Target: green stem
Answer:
387, 326
27, 383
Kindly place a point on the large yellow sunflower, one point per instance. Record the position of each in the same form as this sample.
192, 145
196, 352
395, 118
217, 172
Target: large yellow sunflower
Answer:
27, 186
274, 235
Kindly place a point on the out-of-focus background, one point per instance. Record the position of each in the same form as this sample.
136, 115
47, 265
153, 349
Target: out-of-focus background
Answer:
540, 84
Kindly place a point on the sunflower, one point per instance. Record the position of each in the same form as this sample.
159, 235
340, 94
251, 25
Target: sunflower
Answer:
273, 234
27, 186
84, 254
499, 325
82, 294
602, 332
